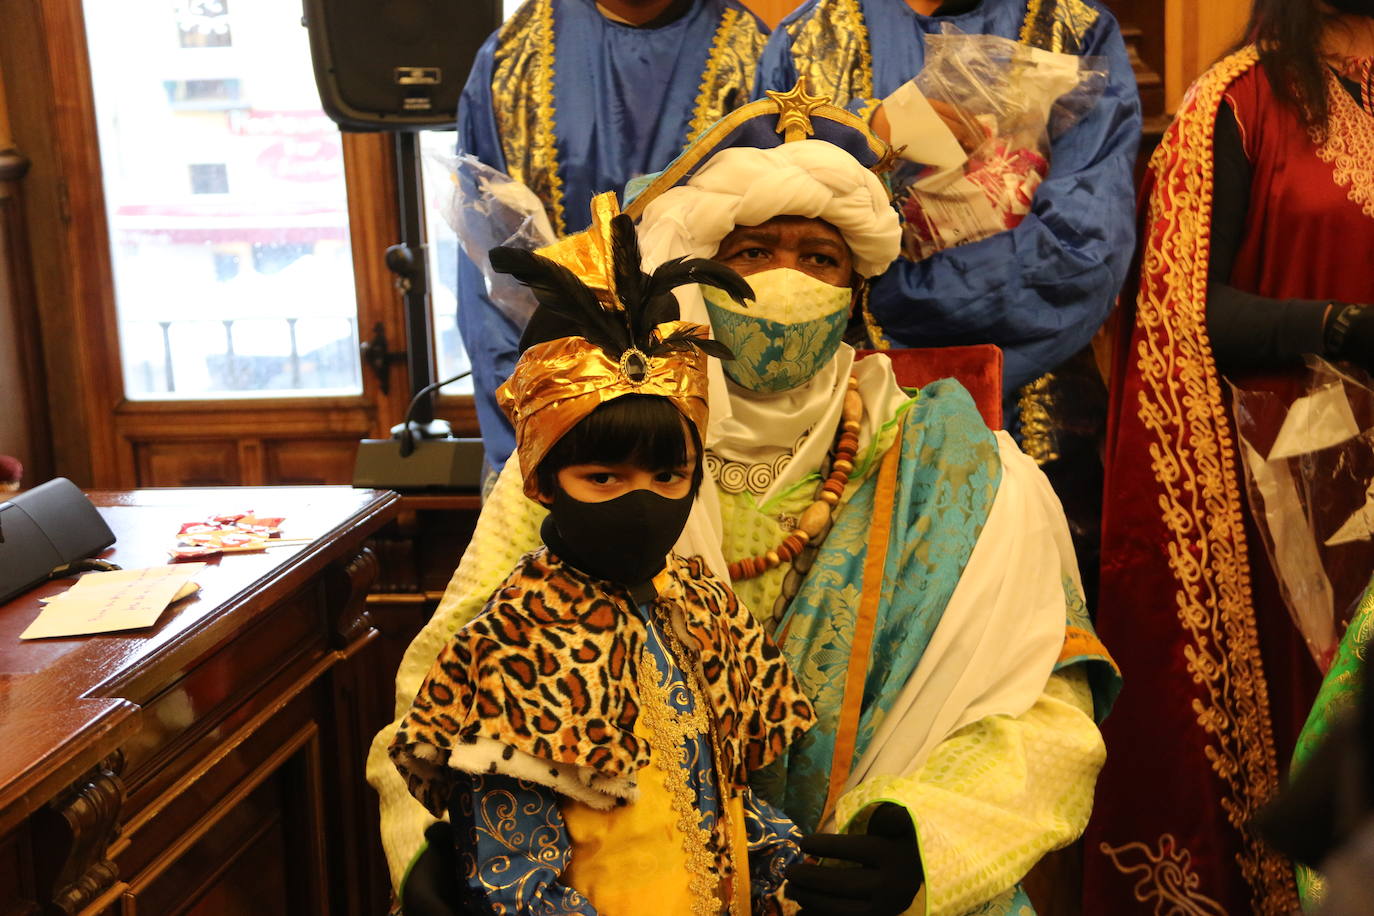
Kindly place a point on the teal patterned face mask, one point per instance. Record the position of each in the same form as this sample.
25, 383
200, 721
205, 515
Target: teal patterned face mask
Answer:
786, 335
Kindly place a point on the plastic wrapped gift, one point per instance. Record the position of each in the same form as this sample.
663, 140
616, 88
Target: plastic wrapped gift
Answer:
977, 124
487, 208
1307, 449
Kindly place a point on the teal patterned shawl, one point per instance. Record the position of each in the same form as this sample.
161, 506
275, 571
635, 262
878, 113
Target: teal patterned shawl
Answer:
947, 476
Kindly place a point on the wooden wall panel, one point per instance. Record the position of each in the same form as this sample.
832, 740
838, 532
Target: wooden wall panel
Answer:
48, 89
303, 462
24, 427
187, 463
1196, 34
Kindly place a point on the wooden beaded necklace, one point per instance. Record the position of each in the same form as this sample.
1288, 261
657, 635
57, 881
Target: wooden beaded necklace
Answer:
814, 523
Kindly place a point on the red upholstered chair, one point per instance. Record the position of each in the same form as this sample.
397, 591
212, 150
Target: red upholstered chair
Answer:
978, 368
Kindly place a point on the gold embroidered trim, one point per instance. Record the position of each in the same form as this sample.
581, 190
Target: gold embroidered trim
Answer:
1348, 147
668, 731
1028, 27
1166, 877
1034, 403
830, 49
865, 112
876, 335
1193, 459
728, 78
1060, 27
522, 93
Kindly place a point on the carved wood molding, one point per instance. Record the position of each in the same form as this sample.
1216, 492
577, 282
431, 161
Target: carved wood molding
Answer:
347, 596
83, 822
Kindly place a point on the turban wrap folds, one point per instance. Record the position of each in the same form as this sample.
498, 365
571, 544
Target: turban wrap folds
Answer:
746, 186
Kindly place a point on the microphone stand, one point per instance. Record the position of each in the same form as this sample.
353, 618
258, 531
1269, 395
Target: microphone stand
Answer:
405, 430
409, 261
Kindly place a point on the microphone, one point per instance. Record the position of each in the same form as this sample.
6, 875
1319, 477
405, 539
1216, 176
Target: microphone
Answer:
436, 429
421, 456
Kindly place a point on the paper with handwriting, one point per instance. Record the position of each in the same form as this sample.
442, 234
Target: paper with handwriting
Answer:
107, 602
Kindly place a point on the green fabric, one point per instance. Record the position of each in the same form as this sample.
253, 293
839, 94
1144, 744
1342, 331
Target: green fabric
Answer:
1339, 691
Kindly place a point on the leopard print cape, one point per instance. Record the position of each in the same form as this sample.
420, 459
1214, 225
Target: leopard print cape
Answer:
542, 685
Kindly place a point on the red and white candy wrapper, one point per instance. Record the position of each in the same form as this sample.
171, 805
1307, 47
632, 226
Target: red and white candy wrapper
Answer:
240, 532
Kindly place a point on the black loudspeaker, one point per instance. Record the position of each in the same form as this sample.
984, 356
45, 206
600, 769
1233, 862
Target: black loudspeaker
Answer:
44, 528
395, 64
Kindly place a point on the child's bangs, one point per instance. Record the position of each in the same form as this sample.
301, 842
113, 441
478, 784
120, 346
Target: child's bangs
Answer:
644, 430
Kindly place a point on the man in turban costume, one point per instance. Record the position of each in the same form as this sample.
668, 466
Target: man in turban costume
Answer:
914, 565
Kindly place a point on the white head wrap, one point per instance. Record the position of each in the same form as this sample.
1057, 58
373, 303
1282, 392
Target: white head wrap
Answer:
747, 186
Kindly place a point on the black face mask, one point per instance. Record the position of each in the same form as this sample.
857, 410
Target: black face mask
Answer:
624, 540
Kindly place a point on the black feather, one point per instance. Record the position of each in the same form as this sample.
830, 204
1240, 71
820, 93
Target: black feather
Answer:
629, 275
568, 307
681, 271
682, 340
659, 310
567, 301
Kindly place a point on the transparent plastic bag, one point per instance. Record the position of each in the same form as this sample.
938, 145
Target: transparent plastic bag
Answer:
487, 208
1307, 448
1006, 102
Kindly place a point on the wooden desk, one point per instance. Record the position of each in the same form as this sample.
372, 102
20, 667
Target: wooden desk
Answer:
417, 555
214, 763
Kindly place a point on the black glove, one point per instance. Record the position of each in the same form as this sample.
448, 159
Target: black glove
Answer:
884, 883
1350, 335
431, 889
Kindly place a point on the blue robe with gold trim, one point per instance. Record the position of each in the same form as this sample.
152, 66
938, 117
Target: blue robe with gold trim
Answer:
1038, 291
573, 104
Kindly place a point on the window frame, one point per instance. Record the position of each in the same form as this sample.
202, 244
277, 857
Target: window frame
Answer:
95, 427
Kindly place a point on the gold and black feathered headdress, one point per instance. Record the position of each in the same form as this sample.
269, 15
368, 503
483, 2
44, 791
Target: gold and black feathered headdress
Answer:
604, 329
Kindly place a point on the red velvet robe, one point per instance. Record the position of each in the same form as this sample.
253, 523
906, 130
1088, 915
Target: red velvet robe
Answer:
1217, 679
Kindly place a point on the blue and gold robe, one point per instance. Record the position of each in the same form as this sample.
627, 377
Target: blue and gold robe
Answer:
1038, 291
572, 104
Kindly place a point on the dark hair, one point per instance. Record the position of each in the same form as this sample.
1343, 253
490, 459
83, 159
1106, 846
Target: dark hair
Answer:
1288, 34
643, 429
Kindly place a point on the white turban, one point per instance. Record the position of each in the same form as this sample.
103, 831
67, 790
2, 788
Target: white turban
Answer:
747, 186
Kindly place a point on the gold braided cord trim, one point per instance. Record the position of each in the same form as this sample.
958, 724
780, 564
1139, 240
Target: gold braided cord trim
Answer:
1348, 146
522, 94
1060, 27
876, 335
1028, 27
831, 51
1192, 455
668, 730
1165, 877
1035, 403
728, 78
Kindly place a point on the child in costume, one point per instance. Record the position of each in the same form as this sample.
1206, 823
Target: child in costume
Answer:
591, 732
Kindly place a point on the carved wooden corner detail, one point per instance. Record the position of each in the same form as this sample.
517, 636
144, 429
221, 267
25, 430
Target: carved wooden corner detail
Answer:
349, 583
82, 822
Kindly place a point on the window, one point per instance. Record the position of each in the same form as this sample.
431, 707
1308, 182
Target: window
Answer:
450, 358
223, 288
203, 93
219, 330
203, 24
